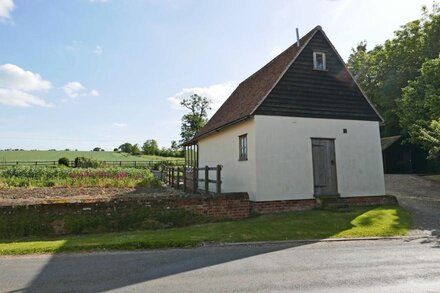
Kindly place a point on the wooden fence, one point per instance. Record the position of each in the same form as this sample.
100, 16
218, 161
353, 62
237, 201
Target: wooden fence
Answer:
128, 164
187, 178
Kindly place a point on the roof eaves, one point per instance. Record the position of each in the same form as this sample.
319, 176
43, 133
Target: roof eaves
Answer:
196, 138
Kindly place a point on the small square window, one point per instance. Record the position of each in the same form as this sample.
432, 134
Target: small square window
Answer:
243, 152
319, 61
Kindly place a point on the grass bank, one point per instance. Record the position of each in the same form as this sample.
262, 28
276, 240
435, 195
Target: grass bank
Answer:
314, 224
434, 177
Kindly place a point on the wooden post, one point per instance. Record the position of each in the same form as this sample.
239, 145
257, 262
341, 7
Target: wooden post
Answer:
206, 179
172, 176
219, 179
195, 178
135, 164
178, 177
184, 178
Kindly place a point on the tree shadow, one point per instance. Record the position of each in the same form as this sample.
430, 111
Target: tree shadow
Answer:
98, 272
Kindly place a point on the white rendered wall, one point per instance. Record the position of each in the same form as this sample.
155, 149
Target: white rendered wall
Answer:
284, 156
223, 148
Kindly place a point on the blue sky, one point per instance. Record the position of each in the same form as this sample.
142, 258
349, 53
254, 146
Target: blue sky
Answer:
82, 73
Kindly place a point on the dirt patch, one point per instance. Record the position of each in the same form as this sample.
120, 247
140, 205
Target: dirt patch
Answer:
48, 195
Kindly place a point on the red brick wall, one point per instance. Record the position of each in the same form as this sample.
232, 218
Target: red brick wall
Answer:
232, 206
277, 206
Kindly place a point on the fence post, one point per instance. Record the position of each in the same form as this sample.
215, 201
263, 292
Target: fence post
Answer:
206, 179
172, 176
184, 178
178, 177
120, 163
135, 164
195, 178
219, 179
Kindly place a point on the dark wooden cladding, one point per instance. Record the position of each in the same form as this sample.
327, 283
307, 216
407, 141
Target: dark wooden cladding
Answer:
305, 92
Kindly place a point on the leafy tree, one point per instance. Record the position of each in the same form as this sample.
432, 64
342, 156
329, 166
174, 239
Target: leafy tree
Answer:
97, 149
135, 150
150, 147
196, 118
126, 148
174, 145
384, 71
419, 108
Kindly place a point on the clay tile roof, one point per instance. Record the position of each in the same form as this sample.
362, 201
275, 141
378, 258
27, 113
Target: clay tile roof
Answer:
247, 96
386, 142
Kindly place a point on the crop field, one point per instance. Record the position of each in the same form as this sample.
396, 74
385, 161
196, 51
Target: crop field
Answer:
13, 156
25, 176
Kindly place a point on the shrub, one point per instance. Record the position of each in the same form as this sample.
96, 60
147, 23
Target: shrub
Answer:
64, 161
82, 162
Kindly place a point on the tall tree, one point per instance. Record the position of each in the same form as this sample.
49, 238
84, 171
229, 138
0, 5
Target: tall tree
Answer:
150, 147
196, 118
126, 148
419, 108
384, 71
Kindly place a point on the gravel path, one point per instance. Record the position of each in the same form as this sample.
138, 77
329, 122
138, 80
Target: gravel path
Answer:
421, 197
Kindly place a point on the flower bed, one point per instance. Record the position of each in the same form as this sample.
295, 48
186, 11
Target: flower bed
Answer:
25, 176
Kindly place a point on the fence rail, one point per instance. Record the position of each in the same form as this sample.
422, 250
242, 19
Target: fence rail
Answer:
184, 177
134, 164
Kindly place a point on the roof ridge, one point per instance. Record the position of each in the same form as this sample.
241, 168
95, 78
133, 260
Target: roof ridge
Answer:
254, 89
303, 38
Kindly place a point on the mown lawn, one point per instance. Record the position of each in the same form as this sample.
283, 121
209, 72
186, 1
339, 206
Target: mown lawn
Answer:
314, 224
71, 155
434, 177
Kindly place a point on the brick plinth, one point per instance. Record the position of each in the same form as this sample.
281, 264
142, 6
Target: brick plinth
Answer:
277, 206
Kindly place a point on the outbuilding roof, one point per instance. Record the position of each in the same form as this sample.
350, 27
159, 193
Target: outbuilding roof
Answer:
252, 92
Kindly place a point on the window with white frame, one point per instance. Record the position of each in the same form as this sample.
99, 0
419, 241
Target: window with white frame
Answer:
319, 61
243, 151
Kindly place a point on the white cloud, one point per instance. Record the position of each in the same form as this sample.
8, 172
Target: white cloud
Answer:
75, 89
98, 50
94, 93
117, 124
14, 77
17, 98
217, 93
6, 6
15, 85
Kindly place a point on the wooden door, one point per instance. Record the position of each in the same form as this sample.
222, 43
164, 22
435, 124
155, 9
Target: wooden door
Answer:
324, 167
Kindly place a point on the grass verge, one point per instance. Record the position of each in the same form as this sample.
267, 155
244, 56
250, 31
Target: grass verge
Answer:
314, 224
434, 177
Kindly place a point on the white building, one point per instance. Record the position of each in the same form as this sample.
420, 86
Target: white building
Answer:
300, 128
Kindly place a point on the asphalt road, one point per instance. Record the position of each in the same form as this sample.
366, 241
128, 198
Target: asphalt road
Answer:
361, 266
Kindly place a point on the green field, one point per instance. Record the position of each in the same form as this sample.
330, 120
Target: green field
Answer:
12, 156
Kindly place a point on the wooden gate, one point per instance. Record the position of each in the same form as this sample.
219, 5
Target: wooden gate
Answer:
324, 167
